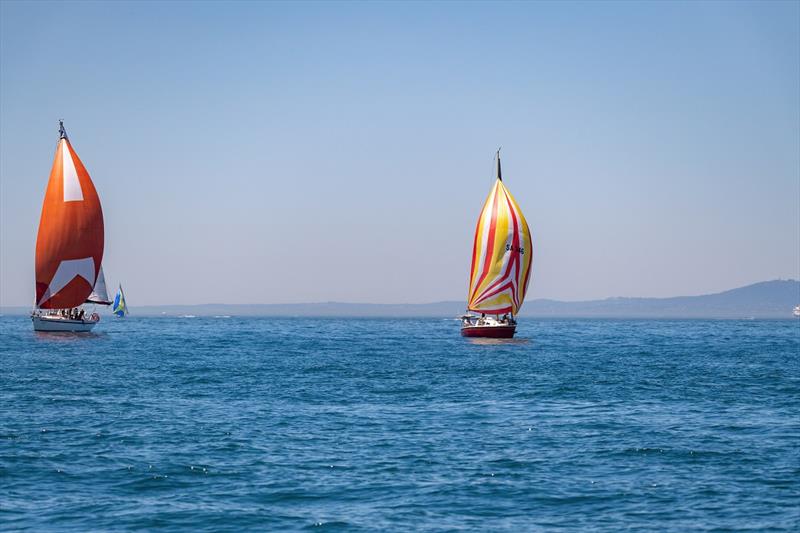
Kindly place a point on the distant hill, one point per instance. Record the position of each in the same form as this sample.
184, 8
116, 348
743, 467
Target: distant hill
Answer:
768, 299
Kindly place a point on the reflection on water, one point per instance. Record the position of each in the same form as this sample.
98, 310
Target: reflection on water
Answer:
66, 336
492, 342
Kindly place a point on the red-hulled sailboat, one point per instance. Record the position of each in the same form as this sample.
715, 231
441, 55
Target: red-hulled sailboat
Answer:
501, 265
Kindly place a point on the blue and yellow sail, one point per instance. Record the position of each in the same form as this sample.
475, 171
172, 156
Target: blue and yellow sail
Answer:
119, 307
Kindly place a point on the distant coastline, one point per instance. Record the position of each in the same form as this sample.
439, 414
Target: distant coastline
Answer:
768, 299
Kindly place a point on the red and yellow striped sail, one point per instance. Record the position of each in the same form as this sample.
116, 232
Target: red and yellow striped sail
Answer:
69, 246
501, 255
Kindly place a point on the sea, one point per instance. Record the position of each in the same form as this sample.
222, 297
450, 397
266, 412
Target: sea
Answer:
280, 424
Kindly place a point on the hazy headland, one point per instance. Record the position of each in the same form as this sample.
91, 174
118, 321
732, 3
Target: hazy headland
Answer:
768, 299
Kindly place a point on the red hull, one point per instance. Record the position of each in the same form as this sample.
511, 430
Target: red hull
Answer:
494, 332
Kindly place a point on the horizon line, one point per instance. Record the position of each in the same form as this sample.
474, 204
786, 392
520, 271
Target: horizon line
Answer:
336, 302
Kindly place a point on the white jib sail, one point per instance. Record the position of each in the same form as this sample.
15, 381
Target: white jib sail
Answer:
99, 293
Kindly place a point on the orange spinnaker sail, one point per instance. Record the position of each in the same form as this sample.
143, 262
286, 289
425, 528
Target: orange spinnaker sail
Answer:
501, 255
69, 247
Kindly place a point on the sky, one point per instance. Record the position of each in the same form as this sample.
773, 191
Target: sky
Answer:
341, 151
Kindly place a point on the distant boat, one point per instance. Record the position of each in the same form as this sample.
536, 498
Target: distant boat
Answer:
119, 308
501, 265
69, 246
796, 311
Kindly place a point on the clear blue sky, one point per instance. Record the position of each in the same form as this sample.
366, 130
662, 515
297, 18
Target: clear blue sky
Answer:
294, 152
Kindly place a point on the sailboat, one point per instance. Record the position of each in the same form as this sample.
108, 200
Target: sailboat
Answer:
69, 246
501, 265
119, 308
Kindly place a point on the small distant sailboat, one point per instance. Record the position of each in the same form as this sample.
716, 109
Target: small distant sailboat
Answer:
119, 308
501, 265
69, 246
796, 311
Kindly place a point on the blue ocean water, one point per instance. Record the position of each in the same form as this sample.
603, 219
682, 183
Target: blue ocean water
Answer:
231, 424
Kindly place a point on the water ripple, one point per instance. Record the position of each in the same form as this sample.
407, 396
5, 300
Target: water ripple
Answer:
211, 424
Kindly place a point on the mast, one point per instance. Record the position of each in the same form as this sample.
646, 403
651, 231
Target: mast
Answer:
499, 172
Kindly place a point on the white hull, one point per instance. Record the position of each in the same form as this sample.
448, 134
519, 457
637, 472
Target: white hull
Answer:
57, 323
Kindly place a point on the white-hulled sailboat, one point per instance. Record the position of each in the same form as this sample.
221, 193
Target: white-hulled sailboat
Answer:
501, 265
69, 246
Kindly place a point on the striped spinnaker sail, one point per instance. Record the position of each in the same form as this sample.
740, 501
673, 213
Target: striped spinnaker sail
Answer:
501, 255
69, 246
